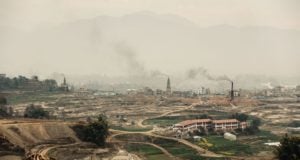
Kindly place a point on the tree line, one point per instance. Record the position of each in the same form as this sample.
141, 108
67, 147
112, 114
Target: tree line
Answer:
22, 82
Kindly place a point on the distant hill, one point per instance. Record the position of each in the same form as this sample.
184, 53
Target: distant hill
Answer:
136, 43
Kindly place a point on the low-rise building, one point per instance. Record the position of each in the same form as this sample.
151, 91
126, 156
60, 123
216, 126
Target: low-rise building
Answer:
216, 125
193, 124
226, 124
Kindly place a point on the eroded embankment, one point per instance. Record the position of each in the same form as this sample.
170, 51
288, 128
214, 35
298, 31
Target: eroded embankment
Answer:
26, 134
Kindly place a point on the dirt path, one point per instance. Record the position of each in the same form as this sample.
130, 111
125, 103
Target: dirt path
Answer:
140, 122
200, 150
41, 152
151, 144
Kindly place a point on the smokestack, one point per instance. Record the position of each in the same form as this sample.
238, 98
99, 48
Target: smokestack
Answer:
168, 91
231, 92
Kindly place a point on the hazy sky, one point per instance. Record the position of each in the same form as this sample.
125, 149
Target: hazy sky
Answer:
120, 36
28, 14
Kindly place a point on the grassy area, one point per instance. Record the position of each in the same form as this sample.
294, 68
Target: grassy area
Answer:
226, 147
244, 146
267, 136
180, 150
217, 114
147, 151
175, 148
31, 97
131, 129
163, 121
170, 120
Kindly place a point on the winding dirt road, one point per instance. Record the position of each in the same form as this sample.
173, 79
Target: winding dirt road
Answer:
200, 150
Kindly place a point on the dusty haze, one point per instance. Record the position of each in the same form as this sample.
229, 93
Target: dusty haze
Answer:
143, 42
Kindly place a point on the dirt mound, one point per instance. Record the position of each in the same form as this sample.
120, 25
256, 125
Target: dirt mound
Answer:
29, 134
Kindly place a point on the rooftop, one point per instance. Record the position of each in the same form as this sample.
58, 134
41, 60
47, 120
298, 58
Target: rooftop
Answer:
193, 121
188, 122
226, 121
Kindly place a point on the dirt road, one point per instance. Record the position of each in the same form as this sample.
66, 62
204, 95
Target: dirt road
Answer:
200, 150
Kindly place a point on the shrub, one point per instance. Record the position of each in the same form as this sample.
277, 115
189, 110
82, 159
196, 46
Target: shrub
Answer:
289, 148
95, 132
37, 112
5, 111
240, 116
3, 100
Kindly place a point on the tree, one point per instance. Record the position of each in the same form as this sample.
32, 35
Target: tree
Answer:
3, 107
21, 82
95, 132
240, 116
256, 123
3, 100
202, 131
289, 148
50, 84
254, 126
37, 112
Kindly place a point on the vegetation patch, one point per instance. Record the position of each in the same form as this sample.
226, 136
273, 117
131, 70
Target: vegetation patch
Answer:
33, 111
95, 132
295, 123
244, 146
227, 147
31, 97
289, 148
175, 148
131, 129
163, 121
187, 115
147, 151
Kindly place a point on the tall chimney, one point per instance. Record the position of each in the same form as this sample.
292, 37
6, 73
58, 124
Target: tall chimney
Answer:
168, 91
231, 92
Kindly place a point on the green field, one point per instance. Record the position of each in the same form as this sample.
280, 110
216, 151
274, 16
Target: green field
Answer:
175, 148
147, 151
163, 121
171, 120
244, 146
180, 150
267, 136
131, 129
31, 97
226, 147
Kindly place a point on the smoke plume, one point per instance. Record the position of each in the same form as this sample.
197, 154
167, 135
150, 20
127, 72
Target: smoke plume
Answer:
135, 67
129, 57
200, 71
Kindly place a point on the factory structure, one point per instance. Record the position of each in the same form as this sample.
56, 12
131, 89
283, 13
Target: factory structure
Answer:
215, 125
202, 91
232, 92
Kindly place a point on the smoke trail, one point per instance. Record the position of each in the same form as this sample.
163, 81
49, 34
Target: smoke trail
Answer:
200, 71
157, 73
135, 67
128, 55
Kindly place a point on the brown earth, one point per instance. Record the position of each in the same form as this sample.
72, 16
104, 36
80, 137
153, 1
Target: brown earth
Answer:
28, 133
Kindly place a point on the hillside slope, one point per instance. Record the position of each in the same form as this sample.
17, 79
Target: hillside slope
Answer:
26, 134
